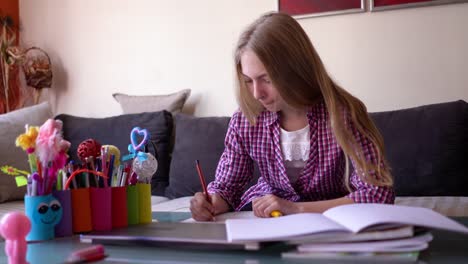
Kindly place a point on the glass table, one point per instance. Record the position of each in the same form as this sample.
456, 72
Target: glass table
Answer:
447, 247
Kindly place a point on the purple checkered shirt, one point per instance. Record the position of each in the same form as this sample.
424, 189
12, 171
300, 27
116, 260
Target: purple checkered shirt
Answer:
321, 179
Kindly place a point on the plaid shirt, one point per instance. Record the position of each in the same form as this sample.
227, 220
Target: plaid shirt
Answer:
321, 179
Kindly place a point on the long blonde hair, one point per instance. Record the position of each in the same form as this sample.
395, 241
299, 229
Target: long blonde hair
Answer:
297, 72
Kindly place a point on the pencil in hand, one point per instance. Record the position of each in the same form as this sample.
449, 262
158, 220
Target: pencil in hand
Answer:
202, 180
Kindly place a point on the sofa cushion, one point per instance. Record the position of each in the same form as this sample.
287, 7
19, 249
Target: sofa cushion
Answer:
116, 131
199, 138
427, 148
132, 104
11, 126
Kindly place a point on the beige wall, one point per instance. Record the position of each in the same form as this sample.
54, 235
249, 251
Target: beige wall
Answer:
391, 59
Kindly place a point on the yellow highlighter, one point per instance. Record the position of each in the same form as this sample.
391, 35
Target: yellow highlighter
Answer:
276, 213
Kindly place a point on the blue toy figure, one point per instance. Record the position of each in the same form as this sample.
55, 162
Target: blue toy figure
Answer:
45, 212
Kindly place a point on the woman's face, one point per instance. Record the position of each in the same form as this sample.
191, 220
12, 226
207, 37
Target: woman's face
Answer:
259, 83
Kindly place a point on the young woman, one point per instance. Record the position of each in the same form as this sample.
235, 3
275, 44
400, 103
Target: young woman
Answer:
299, 127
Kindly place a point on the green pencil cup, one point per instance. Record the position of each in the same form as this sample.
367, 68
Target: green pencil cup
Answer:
132, 205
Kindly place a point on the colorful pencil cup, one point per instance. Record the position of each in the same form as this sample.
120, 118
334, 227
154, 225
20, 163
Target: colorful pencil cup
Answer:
45, 212
132, 205
144, 203
81, 210
64, 227
101, 208
119, 207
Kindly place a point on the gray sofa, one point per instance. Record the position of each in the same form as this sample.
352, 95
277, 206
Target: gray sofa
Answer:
426, 147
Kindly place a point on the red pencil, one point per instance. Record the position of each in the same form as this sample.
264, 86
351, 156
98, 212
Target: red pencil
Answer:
202, 181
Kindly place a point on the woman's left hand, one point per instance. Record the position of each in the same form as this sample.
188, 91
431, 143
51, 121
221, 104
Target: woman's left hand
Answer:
263, 206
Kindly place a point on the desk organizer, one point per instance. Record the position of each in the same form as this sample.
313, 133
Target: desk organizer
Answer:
67, 212
106, 195
83, 210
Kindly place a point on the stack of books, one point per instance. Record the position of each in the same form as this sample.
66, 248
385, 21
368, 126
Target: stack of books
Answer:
355, 232
380, 242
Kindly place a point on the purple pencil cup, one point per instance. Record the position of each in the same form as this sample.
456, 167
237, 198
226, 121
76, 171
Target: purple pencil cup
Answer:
101, 212
65, 226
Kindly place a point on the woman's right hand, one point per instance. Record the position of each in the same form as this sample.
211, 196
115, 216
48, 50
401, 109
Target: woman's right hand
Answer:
202, 210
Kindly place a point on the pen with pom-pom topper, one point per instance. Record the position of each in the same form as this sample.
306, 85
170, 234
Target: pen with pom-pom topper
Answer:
51, 151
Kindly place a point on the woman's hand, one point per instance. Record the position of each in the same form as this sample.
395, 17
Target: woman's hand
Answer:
263, 206
202, 210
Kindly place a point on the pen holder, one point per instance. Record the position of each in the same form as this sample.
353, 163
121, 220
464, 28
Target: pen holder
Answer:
64, 227
144, 203
101, 208
119, 207
45, 212
81, 210
132, 205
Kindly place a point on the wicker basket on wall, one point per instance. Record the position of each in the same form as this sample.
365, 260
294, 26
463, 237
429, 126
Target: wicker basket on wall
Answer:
37, 70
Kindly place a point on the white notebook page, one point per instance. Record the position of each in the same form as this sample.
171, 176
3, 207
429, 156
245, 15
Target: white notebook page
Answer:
266, 229
357, 217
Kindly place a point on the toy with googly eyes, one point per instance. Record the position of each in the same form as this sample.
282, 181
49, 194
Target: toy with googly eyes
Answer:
45, 212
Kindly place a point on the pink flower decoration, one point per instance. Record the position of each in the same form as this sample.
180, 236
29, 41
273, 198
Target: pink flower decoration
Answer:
50, 143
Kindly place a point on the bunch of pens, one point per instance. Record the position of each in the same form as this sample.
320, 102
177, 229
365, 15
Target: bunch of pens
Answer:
46, 151
90, 192
114, 199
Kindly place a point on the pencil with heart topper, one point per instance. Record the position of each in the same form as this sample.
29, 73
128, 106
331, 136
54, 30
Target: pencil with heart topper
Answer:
138, 179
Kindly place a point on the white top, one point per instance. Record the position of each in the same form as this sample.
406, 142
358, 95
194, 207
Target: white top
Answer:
295, 147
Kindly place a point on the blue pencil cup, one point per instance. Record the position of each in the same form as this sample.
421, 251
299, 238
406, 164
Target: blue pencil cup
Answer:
45, 212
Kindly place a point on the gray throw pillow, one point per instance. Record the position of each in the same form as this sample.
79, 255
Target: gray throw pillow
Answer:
132, 104
11, 126
116, 131
199, 138
427, 148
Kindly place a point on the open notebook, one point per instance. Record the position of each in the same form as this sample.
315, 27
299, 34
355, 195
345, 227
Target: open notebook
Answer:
352, 218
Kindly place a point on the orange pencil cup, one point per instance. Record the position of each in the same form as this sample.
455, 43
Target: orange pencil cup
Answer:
119, 207
132, 205
144, 202
81, 210
101, 208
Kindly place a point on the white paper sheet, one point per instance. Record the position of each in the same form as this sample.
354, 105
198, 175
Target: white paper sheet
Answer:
270, 229
357, 217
